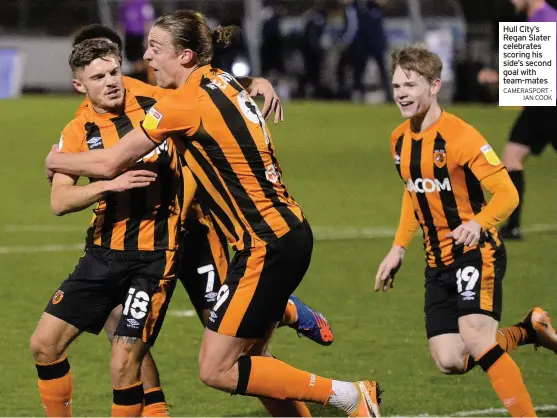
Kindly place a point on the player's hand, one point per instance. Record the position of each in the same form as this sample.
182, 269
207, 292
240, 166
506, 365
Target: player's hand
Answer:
488, 76
468, 233
261, 86
132, 179
385, 277
48, 171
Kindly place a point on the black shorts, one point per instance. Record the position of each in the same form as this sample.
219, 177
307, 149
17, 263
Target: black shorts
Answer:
134, 47
472, 284
536, 127
141, 281
202, 262
258, 284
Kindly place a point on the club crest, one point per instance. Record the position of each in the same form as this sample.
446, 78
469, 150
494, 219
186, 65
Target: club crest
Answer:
440, 158
57, 298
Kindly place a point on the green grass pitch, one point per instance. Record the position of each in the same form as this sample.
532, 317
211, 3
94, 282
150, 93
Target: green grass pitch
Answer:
337, 164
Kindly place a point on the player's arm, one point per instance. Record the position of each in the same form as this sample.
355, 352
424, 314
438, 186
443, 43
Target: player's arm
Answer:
408, 224
67, 197
407, 227
173, 114
504, 199
261, 87
477, 155
103, 163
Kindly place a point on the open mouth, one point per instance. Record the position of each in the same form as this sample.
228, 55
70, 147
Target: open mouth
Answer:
405, 103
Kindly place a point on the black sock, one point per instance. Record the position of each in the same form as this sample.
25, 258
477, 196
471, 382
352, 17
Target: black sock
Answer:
517, 178
244, 370
155, 395
131, 395
470, 363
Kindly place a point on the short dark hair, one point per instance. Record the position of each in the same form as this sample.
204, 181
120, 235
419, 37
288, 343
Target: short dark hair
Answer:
87, 51
97, 31
189, 30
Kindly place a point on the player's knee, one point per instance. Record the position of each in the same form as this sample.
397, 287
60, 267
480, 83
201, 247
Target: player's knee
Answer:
477, 343
478, 333
513, 164
209, 374
214, 374
124, 370
44, 349
125, 364
514, 156
449, 362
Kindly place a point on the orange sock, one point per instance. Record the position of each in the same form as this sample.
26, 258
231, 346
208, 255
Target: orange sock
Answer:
511, 337
278, 408
128, 401
55, 387
287, 382
506, 379
290, 315
155, 404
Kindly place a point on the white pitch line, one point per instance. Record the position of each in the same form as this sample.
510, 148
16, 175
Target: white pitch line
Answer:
43, 228
330, 233
333, 233
491, 411
184, 314
21, 249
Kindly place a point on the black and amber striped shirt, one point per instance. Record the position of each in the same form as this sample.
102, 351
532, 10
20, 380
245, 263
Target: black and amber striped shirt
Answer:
229, 149
442, 168
139, 219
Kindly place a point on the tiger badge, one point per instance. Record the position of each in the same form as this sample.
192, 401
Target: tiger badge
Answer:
57, 298
440, 158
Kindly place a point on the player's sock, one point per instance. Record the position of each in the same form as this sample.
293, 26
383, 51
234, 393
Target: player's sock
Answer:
278, 408
506, 379
128, 401
287, 382
469, 363
155, 404
290, 315
517, 178
55, 387
509, 338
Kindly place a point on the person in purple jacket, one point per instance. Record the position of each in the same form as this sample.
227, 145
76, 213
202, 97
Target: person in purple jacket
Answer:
136, 18
535, 127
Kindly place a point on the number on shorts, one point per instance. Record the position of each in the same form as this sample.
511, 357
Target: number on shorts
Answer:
140, 304
210, 277
223, 294
470, 275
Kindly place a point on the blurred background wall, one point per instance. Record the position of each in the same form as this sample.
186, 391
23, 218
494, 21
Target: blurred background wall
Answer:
308, 48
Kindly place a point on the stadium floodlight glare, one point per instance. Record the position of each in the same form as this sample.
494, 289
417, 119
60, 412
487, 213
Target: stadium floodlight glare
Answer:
240, 68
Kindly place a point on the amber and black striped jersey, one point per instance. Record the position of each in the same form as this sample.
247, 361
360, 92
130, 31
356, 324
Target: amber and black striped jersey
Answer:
229, 149
139, 219
442, 168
